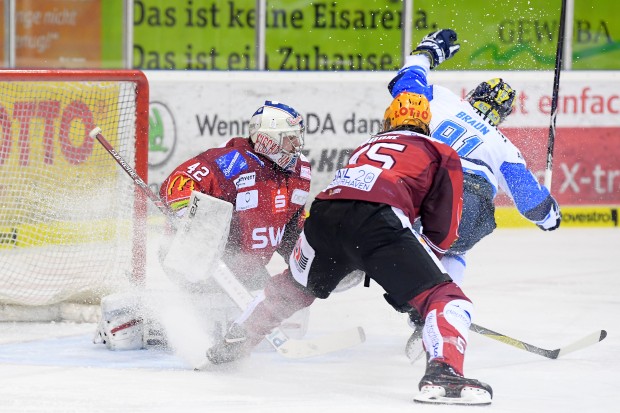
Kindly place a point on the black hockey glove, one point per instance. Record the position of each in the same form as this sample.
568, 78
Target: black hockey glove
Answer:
552, 220
438, 46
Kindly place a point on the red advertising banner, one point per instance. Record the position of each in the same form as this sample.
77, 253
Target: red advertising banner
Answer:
586, 165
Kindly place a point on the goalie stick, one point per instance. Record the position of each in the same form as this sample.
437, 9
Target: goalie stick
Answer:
287, 347
290, 348
584, 342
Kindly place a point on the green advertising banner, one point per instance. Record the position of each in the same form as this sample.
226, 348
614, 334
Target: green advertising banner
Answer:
334, 35
112, 35
522, 35
366, 35
596, 35
194, 34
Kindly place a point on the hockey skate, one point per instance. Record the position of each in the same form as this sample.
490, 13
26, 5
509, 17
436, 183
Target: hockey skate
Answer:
414, 349
442, 385
235, 345
154, 335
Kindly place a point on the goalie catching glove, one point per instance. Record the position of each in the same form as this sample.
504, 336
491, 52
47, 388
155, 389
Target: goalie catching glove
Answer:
439, 46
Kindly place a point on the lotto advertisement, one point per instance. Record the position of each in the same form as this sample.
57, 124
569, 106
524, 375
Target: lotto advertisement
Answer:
54, 162
194, 111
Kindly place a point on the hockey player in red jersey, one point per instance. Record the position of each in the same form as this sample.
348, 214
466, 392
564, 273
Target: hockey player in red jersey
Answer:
491, 162
267, 180
362, 220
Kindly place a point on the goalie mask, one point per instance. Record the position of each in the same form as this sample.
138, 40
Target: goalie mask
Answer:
408, 110
493, 99
277, 132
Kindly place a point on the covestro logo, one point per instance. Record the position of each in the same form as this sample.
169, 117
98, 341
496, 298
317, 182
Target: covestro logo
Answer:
595, 218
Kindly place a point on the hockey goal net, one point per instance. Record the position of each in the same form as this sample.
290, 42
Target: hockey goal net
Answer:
72, 224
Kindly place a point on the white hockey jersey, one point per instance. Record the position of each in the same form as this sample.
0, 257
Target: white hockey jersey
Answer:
483, 149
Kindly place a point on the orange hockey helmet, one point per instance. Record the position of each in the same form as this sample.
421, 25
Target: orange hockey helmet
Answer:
408, 109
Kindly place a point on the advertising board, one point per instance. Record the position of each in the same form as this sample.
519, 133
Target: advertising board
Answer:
195, 111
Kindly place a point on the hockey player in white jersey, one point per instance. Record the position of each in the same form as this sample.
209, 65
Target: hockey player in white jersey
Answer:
490, 161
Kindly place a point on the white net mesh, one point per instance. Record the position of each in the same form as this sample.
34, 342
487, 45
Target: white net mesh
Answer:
67, 210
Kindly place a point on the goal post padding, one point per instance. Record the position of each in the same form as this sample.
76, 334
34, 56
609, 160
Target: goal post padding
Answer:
72, 224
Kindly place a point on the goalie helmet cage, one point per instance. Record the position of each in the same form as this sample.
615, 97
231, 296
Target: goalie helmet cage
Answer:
72, 223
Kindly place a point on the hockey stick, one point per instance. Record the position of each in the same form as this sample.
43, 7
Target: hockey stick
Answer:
586, 341
285, 346
554, 98
288, 347
96, 134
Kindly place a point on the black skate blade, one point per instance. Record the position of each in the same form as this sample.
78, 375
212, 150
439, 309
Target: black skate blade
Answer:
414, 350
470, 396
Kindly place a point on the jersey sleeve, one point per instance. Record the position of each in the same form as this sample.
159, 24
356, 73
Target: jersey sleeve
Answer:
193, 175
412, 78
441, 211
532, 200
291, 233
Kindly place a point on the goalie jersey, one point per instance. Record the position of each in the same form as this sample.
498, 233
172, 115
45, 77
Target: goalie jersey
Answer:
268, 202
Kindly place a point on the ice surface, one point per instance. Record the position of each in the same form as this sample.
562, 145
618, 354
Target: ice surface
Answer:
547, 289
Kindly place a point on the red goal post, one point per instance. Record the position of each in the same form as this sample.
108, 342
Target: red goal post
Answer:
72, 224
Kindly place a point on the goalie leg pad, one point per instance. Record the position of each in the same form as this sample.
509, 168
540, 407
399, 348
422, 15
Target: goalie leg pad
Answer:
121, 326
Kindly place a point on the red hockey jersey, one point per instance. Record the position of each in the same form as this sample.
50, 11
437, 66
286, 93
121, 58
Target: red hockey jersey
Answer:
268, 202
412, 172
